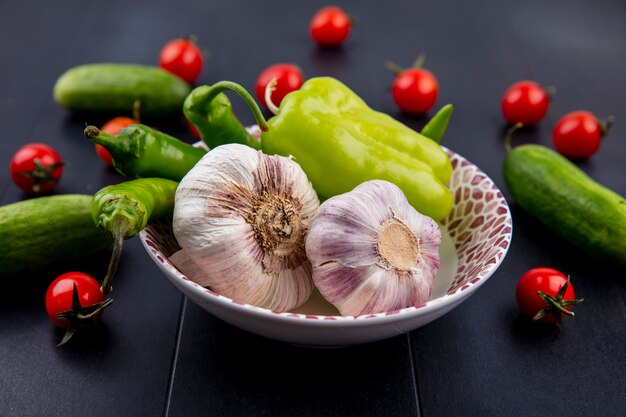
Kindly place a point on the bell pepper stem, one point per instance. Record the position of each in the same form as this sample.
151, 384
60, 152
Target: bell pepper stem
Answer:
269, 89
436, 127
223, 86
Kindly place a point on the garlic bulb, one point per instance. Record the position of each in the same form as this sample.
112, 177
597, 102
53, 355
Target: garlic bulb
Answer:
371, 251
241, 217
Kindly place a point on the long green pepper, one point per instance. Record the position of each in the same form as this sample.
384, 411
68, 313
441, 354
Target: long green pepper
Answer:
123, 210
140, 151
210, 111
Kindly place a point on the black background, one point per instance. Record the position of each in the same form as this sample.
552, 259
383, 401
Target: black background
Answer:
158, 354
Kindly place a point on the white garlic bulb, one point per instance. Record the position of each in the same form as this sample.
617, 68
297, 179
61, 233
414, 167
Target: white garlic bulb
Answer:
241, 217
371, 251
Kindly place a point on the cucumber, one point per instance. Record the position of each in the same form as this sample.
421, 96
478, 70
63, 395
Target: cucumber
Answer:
46, 230
114, 88
564, 198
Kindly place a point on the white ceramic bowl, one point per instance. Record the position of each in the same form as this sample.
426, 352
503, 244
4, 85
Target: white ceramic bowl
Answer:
476, 237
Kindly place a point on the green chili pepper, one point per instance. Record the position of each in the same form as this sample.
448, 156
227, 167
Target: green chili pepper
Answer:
210, 111
140, 151
123, 210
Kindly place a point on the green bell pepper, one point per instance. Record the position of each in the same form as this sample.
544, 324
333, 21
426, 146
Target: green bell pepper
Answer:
340, 142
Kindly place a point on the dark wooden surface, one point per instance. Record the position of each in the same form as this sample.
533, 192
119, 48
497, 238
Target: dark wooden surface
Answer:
158, 354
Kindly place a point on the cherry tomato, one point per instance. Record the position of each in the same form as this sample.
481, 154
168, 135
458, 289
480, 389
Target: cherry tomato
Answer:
36, 168
545, 294
113, 127
415, 90
288, 78
330, 26
74, 301
183, 58
578, 134
60, 292
525, 102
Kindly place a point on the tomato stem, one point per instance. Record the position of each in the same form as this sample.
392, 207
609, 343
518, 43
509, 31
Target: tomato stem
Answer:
86, 315
606, 124
190, 37
67, 336
393, 67
550, 91
79, 314
397, 69
509, 136
556, 305
41, 174
419, 61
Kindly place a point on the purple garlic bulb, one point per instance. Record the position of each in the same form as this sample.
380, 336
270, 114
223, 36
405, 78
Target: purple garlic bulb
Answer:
371, 251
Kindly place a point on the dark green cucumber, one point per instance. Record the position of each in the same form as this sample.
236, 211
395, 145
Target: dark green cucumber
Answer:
114, 88
47, 230
567, 200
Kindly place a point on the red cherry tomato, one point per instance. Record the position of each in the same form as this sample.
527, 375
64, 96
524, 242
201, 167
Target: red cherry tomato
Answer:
288, 78
74, 300
104, 154
113, 127
415, 90
525, 102
183, 58
60, 291
36, 168
330, 26
541, 290
578, 134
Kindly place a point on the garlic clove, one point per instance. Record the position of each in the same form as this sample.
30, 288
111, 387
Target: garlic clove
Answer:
381, 291
242, 217
187, 266
371, 251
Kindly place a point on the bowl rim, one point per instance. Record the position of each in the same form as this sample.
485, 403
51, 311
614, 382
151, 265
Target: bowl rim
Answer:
325, 320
